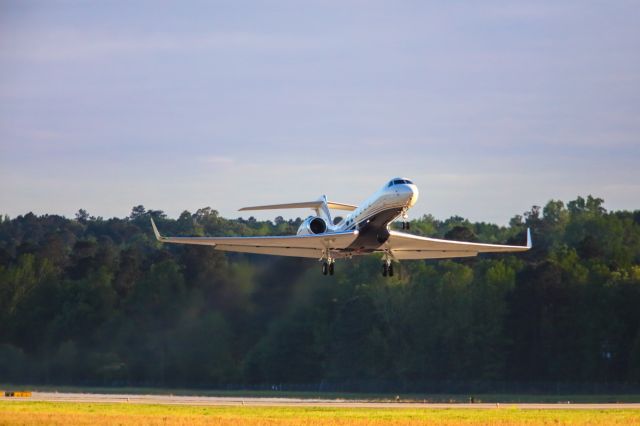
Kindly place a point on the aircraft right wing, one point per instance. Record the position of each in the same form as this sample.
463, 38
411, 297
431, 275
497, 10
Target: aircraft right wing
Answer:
291, 245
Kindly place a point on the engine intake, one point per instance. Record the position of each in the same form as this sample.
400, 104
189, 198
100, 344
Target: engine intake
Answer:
318, 226
313, 225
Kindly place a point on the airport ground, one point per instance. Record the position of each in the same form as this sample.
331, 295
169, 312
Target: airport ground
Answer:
245, 408
517, 398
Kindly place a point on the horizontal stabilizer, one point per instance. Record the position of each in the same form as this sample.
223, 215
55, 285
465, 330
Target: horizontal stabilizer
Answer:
341, 206
307, 204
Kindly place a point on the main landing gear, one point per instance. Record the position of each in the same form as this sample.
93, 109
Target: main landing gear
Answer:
328, 263
328, 267
387, 266
387, 269
406, 225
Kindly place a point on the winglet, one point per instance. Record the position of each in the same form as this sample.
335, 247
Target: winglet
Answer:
155, 230
529, 242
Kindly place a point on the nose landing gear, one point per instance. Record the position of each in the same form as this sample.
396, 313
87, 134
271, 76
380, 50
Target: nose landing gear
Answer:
405, 221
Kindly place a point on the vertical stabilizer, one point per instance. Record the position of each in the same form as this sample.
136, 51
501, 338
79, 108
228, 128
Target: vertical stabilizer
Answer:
323, 210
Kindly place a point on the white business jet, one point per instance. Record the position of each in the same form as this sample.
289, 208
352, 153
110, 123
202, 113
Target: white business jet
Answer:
365, 230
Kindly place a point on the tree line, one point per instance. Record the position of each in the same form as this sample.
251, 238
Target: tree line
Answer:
99, 301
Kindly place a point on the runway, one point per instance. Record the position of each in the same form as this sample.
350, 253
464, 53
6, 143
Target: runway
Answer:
299, 402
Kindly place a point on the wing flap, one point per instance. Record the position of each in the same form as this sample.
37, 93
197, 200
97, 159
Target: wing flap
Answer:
430, 254
278, 251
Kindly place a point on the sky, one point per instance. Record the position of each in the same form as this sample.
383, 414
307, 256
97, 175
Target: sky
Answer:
490, 107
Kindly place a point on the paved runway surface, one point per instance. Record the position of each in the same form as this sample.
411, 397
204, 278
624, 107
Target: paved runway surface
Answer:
294, 402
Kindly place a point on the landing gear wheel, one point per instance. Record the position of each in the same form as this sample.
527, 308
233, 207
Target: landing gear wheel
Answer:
331, 268
325, 268
390, 269
407, 225
385, 269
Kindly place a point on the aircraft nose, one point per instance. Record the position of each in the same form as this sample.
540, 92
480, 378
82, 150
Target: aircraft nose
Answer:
414, 195
410, 191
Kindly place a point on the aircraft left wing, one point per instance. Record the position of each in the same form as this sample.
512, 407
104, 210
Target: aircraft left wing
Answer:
293, 245
407, 246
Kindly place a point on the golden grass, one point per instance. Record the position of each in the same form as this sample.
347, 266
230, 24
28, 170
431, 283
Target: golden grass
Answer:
62, 413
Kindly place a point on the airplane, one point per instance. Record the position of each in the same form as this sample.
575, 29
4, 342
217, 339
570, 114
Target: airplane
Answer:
363, 231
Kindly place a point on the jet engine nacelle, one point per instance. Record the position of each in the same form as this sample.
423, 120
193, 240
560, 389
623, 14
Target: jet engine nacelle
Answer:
313, 225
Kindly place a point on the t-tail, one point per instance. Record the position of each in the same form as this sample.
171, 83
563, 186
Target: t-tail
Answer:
318, 224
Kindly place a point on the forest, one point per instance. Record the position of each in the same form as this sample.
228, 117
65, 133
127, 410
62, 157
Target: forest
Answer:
95, 301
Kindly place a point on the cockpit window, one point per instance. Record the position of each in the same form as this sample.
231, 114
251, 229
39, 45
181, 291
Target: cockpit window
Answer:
399, 182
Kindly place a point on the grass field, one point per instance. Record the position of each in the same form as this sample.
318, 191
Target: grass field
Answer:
55, 413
